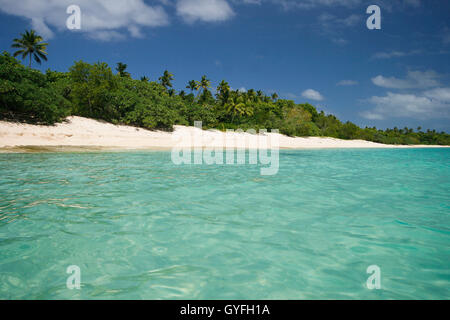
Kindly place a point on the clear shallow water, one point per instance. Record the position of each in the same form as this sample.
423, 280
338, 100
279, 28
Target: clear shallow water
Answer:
140, 227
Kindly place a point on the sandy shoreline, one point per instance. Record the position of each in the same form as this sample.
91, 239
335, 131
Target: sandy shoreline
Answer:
82, 134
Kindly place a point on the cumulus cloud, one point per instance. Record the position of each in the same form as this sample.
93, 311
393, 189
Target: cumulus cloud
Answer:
204, 10
303, 4
312, 94
119, 19
101, 19
311, 4
413, 80
347, 83
438, 94
434, 103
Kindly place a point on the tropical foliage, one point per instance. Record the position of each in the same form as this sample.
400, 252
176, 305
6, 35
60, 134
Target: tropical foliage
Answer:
93, 90
30, 96
121, 67
31, 45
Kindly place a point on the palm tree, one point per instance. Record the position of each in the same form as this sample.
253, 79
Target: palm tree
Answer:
145, 79
251, 94
274, 96
233, 108
121, 67
259, 95
166, 79
223, 91
31, 45
203, 85
239, 107
192, 85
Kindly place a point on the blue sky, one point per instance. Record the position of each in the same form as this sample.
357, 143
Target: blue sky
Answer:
317, 51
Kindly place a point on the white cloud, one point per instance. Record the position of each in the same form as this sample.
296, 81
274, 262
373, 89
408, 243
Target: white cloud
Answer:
101, 19
309, 4
395, 54
388, 55
135, 32
413, 80
39, 25
347, 83
372, 115
302, 4
109, 35
249, 1
333, 26
329, 22
439, 94
339, 41
430, 104
312, 94
204, 10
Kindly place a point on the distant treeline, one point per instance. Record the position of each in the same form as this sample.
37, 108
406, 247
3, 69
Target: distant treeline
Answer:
94, 91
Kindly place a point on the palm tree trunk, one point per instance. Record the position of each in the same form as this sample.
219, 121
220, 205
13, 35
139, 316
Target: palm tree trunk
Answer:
30, 61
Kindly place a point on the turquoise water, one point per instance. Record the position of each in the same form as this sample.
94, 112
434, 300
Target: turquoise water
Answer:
140, 227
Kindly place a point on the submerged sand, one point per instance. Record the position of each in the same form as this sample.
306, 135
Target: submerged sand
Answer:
82, 134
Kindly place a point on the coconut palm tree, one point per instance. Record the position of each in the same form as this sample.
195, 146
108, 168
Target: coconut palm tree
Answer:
192, 85
31, 44
223, 91
239, 107
121, 67
204, 84
232, 108
145, 79
166, 79
274, 96
259, 95
251, 94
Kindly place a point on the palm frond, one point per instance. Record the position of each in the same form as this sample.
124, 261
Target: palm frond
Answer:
36, 58
18, 52
42, 55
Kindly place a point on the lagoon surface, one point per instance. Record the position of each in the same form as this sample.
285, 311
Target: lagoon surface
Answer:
140, 227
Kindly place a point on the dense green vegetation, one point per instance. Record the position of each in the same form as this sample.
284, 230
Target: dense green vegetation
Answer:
94, 91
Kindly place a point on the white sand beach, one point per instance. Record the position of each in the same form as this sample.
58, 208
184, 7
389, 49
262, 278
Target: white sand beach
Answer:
82, 133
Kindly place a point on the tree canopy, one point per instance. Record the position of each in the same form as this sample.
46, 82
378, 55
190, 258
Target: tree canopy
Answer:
94, 91
31, 44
